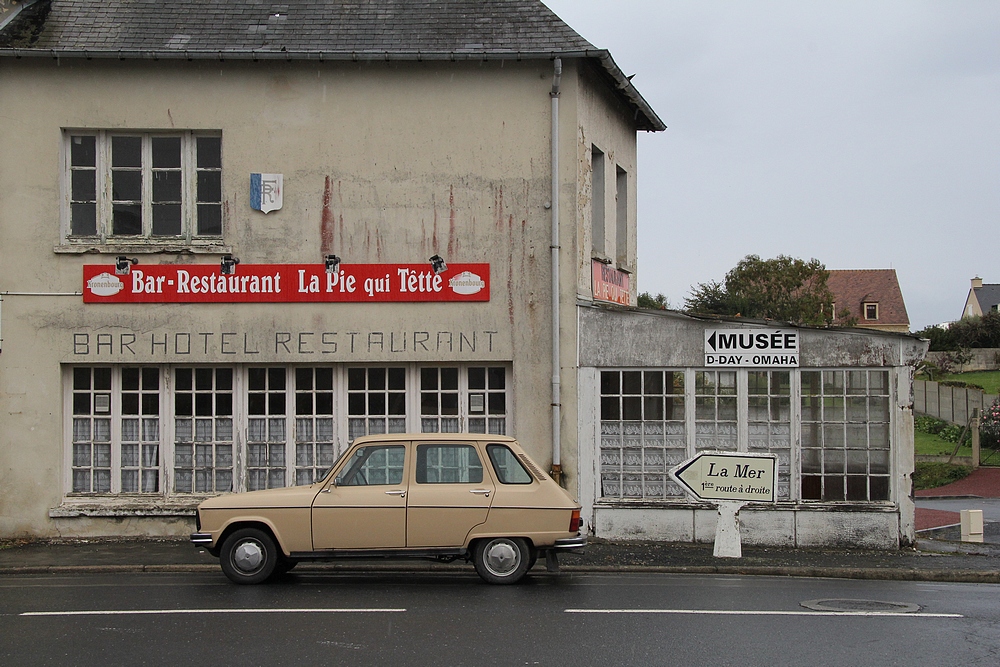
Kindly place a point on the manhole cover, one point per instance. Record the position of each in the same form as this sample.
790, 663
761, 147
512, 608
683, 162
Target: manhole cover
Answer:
861, 605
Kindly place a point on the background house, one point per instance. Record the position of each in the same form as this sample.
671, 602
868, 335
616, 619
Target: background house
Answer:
871, 296
982, 298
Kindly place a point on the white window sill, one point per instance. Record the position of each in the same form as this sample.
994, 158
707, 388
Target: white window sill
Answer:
152, 247
122, 506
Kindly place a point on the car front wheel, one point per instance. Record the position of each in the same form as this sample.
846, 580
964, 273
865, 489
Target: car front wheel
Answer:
501, 560
249, 556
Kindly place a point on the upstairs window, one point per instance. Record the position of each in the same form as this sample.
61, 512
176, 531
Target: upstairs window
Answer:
143, 186
871, 311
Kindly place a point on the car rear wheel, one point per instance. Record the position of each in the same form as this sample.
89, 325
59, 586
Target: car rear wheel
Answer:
248, 556
501, 560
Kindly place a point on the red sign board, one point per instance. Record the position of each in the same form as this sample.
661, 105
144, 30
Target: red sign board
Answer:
611, 284
286, 283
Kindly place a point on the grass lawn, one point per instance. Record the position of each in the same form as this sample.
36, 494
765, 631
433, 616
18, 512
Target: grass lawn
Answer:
929, 444
988, 380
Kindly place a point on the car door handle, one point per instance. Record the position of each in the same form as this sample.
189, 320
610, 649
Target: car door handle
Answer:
480, 492
396, 492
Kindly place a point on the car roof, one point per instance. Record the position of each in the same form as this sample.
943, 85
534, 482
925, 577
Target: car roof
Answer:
438, 437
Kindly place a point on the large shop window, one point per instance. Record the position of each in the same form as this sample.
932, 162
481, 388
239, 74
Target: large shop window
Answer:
150, 187
651, 420
148, 431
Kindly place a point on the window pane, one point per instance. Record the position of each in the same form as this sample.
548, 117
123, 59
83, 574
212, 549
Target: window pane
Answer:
209, 220
83, 151
209, 186
167, 186
209, 152
166, 219
126, 151
166, 152
84, 185
126, 220
84, 219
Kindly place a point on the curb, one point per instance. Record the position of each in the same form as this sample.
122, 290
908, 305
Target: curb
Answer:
866, 573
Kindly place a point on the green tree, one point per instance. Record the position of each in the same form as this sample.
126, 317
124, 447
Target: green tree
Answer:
783, 288
658, 302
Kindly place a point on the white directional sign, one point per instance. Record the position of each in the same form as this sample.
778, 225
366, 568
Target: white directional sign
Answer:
723, 476
752, 348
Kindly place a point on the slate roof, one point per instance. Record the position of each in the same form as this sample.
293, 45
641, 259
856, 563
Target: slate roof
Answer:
852, 288
308, 29
988, 296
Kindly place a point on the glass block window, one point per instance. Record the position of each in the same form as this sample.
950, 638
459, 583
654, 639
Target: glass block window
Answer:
203, 430
642, 433
439, 400
376, 401
266, 435
715, 410
140, 430
487, 399
314, 436
845, 435
91, 430
769, 416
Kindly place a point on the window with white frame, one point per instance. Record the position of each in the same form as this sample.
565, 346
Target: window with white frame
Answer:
715, 410
314, 433
845, 435
871, 311
829, 429
126, 186
376, 401
196, 430
266, 434
769, 421
643, 433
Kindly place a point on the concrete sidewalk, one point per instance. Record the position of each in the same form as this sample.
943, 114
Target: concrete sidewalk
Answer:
933, 560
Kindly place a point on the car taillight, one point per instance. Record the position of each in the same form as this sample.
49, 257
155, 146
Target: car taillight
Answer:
574, 522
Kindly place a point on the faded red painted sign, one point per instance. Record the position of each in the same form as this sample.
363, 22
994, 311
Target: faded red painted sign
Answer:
285, 283
611, 284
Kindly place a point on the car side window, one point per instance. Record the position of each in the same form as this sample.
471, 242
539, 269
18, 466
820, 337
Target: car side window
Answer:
448, 464
506, 465
375, 465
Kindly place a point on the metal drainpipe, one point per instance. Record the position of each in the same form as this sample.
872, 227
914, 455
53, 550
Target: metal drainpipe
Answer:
556, 389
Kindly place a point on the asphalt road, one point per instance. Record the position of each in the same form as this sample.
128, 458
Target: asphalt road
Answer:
431, 619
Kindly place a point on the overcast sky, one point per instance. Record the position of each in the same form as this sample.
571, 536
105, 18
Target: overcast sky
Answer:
865, 134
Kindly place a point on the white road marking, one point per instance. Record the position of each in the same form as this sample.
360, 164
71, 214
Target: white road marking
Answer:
148, 612
748, 612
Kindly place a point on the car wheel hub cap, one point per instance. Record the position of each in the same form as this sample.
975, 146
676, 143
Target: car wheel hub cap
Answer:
248, 556
501, 558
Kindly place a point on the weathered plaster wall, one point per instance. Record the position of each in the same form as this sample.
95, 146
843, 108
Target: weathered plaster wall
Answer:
382, 162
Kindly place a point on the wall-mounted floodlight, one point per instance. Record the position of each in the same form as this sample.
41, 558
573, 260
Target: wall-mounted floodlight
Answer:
228, 265
438, 264
332, 262
123, 264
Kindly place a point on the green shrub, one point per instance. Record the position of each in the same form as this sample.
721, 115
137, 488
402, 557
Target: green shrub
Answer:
933, 475
928, 424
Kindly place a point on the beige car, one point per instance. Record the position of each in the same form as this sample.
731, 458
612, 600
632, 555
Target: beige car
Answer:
438, 496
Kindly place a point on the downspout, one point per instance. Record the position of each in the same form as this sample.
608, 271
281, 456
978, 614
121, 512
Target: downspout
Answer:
556, 388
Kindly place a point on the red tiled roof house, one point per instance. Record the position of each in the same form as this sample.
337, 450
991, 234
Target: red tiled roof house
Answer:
871, 296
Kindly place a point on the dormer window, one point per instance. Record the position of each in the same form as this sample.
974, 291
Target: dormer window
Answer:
871, 311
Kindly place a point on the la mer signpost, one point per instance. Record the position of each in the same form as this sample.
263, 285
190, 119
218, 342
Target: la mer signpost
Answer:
731, 480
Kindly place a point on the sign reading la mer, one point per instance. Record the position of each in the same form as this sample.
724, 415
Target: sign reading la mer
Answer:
752, 348
729, 476
285, 283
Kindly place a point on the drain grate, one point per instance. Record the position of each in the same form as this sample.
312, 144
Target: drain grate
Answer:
861, 605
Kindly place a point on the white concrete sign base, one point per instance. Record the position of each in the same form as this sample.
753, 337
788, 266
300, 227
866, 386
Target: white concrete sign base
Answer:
727, 530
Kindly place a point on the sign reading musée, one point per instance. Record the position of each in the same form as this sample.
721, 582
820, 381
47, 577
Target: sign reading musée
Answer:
751, 348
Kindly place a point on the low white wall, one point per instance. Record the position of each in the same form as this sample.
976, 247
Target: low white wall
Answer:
792, 527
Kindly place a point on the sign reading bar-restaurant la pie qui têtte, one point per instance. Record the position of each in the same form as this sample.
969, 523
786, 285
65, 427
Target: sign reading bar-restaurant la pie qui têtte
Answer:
286, 283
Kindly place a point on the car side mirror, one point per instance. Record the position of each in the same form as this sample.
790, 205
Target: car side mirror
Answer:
337, 481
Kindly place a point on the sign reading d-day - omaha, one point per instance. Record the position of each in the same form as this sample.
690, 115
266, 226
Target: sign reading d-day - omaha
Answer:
725, 476
752, 348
